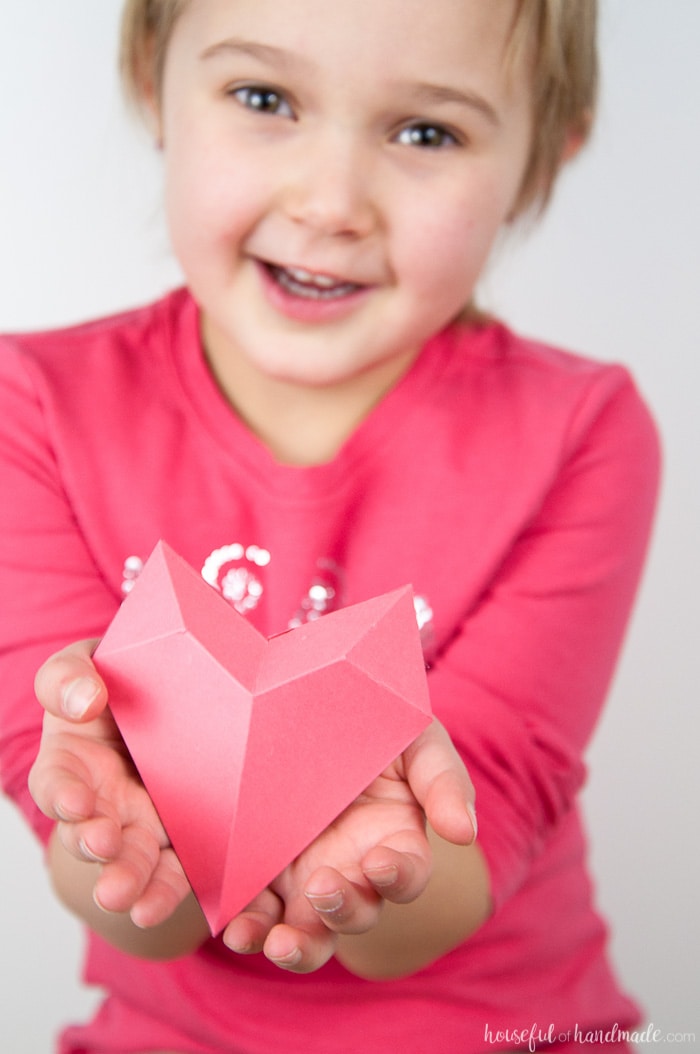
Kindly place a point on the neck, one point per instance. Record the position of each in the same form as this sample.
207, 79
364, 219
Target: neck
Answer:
302, 424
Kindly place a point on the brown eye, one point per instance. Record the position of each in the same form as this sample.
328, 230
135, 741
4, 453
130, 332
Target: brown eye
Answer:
263, 100
428, 136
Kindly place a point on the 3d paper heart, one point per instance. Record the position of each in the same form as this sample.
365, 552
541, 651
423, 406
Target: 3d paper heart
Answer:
250, 747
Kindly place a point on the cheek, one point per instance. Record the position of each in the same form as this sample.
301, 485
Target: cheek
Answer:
445, 253
209, 198
453, 236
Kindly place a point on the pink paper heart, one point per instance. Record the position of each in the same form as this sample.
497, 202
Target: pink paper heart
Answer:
250, 747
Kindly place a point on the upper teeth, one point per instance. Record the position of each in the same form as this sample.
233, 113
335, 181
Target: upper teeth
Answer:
323, 281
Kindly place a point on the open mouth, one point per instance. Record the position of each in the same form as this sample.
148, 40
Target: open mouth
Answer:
304, 284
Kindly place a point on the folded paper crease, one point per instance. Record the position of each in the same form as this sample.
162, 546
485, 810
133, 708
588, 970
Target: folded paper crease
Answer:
248, 746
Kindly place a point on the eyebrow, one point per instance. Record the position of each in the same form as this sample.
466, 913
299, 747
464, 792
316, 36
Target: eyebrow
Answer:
443, 93
263, 52
422, 93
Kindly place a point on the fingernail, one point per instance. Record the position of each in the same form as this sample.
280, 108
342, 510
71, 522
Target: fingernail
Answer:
326, 903
89, 855
239, 948
472, 816
382, 876
64, 814
78, 697
292, 959
100, 905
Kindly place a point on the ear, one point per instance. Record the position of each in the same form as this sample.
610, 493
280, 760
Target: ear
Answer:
146, 92
576, 137
154, 120
151, 108
572, 145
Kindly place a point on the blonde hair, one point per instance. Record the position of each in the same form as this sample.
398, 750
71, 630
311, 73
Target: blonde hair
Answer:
558, 38
563, 37
146, 28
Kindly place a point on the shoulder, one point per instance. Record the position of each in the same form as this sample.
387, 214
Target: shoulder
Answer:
511, 361
110, 350
538, 391
61, 390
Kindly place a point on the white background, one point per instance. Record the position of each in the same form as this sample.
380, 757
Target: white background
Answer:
612, 271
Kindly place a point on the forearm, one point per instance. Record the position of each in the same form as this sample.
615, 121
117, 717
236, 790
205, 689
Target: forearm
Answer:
74, 881
408, 937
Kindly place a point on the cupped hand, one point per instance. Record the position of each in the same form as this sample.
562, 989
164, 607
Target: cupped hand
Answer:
84, 779
375, 851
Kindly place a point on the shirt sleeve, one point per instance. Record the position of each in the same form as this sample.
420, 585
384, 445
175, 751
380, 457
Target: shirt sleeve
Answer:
52, 592
521, 686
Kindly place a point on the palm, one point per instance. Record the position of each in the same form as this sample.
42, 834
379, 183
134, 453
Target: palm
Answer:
383, 828
111, 817
386, 814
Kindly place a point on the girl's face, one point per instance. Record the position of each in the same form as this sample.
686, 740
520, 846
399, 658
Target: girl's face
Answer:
336, 174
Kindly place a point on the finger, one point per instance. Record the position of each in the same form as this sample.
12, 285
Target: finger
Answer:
96, 840
124, 880
58, 783
165, 892
343, 906
397, 876
247, 933
68, 684
297, 950
440, 782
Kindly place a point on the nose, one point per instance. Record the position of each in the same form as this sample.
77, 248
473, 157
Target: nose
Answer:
330, 188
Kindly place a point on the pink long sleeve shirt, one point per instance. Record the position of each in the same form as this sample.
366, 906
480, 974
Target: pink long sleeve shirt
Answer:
512, 484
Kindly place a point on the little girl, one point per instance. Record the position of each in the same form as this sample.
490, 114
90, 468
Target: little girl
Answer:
320, 416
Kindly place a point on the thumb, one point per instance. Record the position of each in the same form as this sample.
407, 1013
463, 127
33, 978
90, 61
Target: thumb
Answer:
68, 684
440, 783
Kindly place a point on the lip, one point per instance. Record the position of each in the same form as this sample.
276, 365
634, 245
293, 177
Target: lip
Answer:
308, 309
